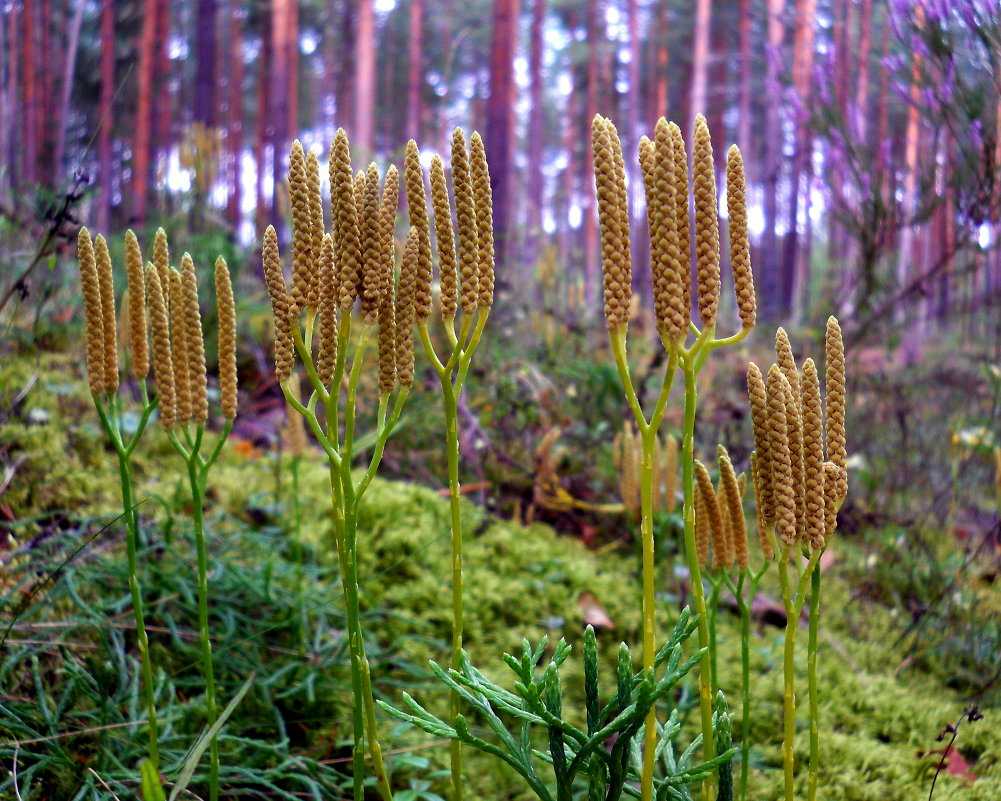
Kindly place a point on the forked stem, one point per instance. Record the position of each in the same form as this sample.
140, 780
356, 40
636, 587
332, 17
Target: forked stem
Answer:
698, 592
811, 663
110, 424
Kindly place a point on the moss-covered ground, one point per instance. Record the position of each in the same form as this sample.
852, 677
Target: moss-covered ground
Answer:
883, 704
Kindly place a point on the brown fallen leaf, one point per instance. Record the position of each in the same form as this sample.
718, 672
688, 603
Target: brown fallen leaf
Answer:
593, 612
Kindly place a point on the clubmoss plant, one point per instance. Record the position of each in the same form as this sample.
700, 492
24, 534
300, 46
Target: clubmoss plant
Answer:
800, 474
182, 364
97, 284
331, 272
663, 163
572, 753
723, 507
466, 276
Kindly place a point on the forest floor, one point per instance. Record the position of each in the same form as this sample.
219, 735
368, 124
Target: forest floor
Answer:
909, 634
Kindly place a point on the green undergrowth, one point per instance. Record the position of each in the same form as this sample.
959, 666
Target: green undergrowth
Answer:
69, 664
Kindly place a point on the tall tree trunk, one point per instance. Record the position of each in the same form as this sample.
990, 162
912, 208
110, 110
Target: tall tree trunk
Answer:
292, 69
912, 137
144, 113
8, 105
771, 285
204, 110
536, 127
661, 84
802, 73
262, 129
105, 121
591, 267
744, 99
29, 102
415, 71
700, 62
500, 118
62, 113
234, 117
48, 65
281, 102
364, 82
862, 85
162, 135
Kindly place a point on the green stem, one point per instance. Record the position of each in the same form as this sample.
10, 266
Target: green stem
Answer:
712, 608
812, 683
698, 592
788, 667
198, 499
649, 442
131, 546
745, 678
299, 557
360, 677
793, 606
452, 454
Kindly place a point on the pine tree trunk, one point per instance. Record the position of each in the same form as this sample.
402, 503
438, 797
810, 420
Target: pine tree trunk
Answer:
234, 117
802, 73
204, 108
59, 173
262, 129
364, 81
144, 114
744, 100
700, 62
536, 127
415, 71
29, 102
591, 266
105, 119
499, 133
771, 285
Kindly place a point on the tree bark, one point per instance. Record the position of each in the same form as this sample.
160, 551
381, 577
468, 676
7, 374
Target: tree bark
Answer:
700, 61
144, 113
744, 100
591, 266
204, 110
29, 102
105, 121
62, 113
262, 129
500, 119
802, 75
364, 115
415, 72
771, 286
234, 117
536, 127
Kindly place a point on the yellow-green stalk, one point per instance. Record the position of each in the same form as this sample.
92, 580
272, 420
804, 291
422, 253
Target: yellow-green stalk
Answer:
354, 260
187, 338
97, 287
469, 275
663, 161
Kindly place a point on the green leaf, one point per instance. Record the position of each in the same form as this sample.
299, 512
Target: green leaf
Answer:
193, 757
152, 790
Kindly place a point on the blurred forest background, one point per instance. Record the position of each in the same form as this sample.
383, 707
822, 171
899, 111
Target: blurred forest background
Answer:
870, 128
871, 137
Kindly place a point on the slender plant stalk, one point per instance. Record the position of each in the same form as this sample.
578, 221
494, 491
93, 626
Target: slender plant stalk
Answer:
452, 376
793, 598
648, 439
712, 609
198, 467
751, 579
698, 593
813, 684
345, 495
109, 417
